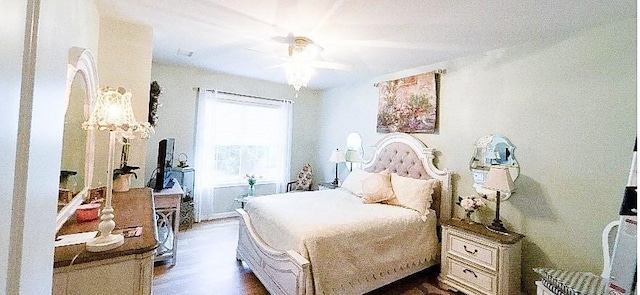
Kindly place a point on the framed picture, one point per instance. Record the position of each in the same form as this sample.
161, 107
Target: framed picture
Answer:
409, 104
97, 194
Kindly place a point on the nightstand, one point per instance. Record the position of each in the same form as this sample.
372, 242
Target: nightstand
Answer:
475, 260
326, 185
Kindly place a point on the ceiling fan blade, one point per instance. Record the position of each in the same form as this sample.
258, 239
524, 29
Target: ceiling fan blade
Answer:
330, 65
289, 39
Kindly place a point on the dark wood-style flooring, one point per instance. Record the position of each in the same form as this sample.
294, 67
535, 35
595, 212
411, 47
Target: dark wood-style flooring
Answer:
206, 264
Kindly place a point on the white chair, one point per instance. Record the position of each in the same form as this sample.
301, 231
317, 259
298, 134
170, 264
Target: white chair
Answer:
560, 281
608, 241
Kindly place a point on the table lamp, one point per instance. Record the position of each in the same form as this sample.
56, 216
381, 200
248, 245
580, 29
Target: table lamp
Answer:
113, 113
352, 156
337, 157
499, 180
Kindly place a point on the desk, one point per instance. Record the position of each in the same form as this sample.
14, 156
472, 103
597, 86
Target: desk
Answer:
167, 205
127, 269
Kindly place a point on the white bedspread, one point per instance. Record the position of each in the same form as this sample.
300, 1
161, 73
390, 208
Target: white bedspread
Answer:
347, 242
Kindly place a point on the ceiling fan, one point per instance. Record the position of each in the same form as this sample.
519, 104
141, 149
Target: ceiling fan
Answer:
302, 60
303, 48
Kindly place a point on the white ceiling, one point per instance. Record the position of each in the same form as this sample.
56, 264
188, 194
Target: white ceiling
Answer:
374, 38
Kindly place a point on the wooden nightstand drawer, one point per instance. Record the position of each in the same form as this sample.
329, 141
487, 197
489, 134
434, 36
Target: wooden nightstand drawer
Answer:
480, 254
476, 278
478, 261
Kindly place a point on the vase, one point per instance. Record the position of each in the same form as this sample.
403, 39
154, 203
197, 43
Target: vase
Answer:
251, 191
122, 183
467, 217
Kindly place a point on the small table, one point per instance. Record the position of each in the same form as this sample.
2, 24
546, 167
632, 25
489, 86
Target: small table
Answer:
327, 185
167, 207
243, 200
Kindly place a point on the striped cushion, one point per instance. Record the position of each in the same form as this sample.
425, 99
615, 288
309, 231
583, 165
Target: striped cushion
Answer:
565, 282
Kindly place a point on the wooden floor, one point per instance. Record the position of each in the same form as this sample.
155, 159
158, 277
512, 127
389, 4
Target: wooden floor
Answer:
206, 264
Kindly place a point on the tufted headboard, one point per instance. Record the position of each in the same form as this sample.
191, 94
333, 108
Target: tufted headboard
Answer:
407, 156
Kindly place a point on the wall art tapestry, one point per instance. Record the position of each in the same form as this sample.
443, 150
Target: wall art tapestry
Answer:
408, 105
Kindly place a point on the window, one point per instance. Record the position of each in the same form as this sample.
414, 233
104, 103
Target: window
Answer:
239, 135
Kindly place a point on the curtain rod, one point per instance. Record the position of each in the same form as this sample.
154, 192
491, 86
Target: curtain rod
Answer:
437, 71
246, 95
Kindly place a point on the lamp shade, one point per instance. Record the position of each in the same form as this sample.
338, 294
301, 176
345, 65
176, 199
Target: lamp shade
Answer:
113, 112
499, 179
337, 156
352, 156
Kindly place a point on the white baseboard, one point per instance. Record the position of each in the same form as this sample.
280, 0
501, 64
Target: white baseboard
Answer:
222, 215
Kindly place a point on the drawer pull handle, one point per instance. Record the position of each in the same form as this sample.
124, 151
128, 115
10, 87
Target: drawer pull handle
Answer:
466, 270
470, 252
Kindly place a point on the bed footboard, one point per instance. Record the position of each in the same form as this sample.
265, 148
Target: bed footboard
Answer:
280, 272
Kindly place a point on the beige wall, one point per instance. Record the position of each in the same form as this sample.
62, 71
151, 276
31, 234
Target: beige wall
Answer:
569, 106
177, 116
33, 105
124, 60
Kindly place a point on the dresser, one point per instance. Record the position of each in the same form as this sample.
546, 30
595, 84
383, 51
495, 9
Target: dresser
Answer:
476, 260
127, 269
167, 204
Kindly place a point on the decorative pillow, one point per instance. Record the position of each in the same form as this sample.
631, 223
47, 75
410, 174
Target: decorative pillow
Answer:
304, 180
353, 182
412, 193
377, 188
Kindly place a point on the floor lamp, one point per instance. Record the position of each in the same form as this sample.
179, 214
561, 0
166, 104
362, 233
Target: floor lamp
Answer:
113, 113
499, 180
337, 157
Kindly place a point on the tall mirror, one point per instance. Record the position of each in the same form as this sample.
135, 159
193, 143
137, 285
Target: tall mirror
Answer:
76, 167
353, 150
493, 149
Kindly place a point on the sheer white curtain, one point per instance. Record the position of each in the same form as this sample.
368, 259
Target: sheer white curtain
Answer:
236, 135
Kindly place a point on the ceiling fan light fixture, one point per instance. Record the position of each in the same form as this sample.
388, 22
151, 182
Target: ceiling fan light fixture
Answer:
304, 48
298, 73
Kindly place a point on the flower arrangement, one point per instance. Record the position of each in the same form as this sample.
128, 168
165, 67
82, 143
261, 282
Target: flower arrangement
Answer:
251, 179
470, 204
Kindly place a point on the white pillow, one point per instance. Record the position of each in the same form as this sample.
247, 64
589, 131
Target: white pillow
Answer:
412, 193
353, 182
377, 188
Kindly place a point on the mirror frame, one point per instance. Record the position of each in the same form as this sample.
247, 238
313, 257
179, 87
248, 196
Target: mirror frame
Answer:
81, 62
479, 172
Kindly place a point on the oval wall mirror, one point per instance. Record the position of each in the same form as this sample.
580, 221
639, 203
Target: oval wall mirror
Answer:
493, 149
76, 166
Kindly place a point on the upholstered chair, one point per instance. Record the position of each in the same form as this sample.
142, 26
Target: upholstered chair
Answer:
304, 180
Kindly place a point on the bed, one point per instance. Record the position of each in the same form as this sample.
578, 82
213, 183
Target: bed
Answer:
329, 242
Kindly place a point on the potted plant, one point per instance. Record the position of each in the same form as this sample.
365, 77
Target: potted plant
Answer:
122, 178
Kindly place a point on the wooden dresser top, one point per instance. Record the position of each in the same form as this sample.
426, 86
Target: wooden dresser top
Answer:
131, 209
478, 228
